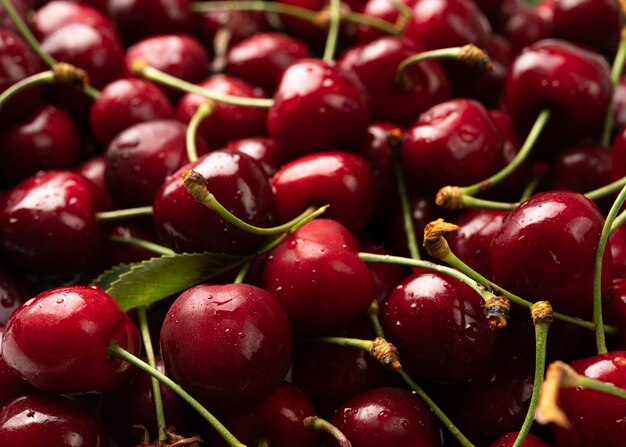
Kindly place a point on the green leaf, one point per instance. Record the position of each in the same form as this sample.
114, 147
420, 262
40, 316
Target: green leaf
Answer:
110, 276
147, 282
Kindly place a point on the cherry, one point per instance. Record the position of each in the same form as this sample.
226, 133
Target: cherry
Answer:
49, 421
47, 139
12, 385
317, 277
524, 24
382, 9
262, 58
314, 35
12, 294
439, 328
595, 416
422, 212
22, 7
217, 338
619, 106
59, 13
574, 83
93, 170
276, 420
140, 158
48, 225
508, 440
126, 102
137, 19
453, 143
386, 276
239, 184
614, 308
262, 149
242, 24
618, 156
59, 341
618, 252
554, 236
228, 122
375, 63
303, 120
340, 179
391, 415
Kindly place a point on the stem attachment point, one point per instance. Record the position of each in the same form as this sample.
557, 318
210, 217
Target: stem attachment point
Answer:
386, 354
450, 198
497, 311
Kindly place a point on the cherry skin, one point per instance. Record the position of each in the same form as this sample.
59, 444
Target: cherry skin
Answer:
595, 416
217, 338
126, 102
303, 120
340, 179
438, 325
453, 143
140, 158
227, 122
48, 225
49, 421
12, 294
618, 252
12, 385
239, 184
523, 25
262, 149
261, 59
93, 170
554, 236
386, 276
243, 24
423, 85
381, 9
619, 111
59, 341
47, 139
508, 440
59, 13
618, 156
391, 415
422, 212
22, 7
317, 277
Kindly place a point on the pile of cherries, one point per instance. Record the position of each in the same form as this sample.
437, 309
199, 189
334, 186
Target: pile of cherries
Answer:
235, 192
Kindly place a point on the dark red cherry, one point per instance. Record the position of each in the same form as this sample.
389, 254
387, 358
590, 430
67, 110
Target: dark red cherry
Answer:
12, 294
97, 51
318, 107
375, 63
48, 139
93, 170
618, 156
391, 416
59, 341
619, 104
438, 325
595, 416
48, 225
614, 308
508, 440
317, 277
239, 184
618, 252
524, 24
228, 122
137, 19
572, 82
217, 339
59, 13
49, 421
453, 143
386, 276
262, 149
126, 102
340, 179
178, 55
22, 8
262, 58
12, 385
554, 237
241, 25
277, 420
381, 9
140, 158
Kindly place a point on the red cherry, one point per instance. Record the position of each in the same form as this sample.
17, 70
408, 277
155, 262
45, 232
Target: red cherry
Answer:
524, 24
508, 440
217, 338
381, 9
262, 149
93, 170
59, 13
59, 341
12, 294
242, 24
618, 252
12, 385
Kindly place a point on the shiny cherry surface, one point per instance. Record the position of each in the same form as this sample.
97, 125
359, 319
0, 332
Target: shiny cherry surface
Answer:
12, 385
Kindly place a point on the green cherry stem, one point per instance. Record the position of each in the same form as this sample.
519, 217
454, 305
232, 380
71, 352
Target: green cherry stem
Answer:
146, 245
141, 68
196, 186
334, 24
531, 187
129, 213
619, 221
115, 350
542, 318
156, 386
597, 271
616, 74
317, 424
241, 276
606, 190
205, 109
405, 14
26, 33
572, 380
372, 315
45, 77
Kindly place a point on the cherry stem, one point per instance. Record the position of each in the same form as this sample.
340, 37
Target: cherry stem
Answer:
26, 33
597, 271
470, 54
294, 11
531, 187
333, 31
317, 424
598, 385
129, 213
346, 342
372, 315
474, 203
205, 110
146, 245
619, 221
45, 77
141, 68
241, 276
115, 350
196, 186
606, 190
529, 144
405, 12
156, 386
616, 74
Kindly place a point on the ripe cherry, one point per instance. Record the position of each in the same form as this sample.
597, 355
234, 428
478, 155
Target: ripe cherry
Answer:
262, 149
59, 13
12, 294
508, 440
12, 385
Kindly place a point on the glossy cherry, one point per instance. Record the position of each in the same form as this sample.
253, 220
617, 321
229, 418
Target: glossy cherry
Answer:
240, 185
382, 9
12, 385
59, 341
49, 421
554, 236
523, 25
216, 338
59, 13
262, 149
386, 276
317, 277
93, 170
318, 107
508, 440
12, 294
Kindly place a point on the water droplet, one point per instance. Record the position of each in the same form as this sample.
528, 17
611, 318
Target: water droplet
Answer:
383, 415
